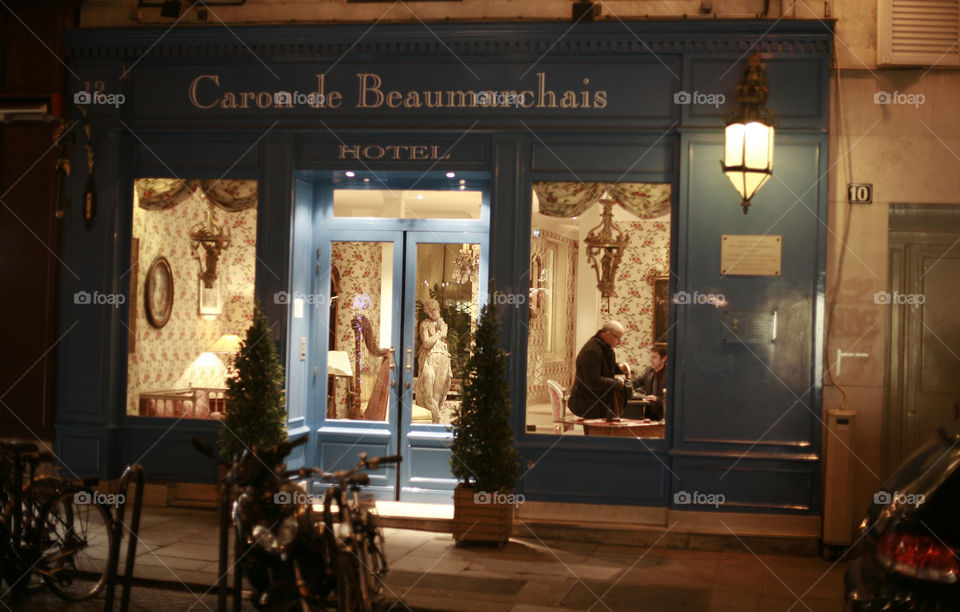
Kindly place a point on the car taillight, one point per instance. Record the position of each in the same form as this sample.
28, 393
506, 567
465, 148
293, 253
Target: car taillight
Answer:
919, 556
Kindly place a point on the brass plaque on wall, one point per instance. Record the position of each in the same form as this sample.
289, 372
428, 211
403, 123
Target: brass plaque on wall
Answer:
744, 255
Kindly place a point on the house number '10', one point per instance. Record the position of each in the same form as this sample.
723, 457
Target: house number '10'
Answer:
860, 193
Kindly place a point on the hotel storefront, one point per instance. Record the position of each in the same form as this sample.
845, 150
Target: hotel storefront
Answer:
343, 185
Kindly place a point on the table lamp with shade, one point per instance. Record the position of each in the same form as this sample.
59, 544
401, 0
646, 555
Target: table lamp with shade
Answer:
226, 346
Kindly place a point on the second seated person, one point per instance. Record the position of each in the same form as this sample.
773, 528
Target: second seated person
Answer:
652, 382
595, 386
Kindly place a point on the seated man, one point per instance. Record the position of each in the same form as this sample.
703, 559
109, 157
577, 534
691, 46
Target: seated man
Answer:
595, 387
652, 382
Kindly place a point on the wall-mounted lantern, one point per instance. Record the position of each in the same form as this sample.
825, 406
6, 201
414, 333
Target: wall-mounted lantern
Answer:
214, 238
748, 138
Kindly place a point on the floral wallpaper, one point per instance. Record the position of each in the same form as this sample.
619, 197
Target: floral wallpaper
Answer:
172, 357
647, 255
359, 264
541, 367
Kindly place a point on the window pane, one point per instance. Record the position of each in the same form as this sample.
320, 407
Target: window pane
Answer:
361, 314
191, 293
446, 315
407, 204
567, 310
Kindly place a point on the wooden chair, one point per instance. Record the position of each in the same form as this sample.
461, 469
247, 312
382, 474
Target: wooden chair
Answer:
558, 401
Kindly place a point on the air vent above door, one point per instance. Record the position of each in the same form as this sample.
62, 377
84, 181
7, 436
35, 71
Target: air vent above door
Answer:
918, 33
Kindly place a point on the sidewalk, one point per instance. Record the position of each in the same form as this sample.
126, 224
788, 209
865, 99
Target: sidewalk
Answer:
178, 550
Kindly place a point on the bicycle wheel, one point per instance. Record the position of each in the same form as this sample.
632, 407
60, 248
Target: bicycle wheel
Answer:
373, 564
352, 594
74, 542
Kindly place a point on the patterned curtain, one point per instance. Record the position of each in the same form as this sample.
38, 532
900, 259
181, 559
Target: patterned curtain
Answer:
644, 200
160, 194
228, 195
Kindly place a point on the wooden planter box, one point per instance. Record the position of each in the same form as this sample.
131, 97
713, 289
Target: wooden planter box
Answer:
473, 522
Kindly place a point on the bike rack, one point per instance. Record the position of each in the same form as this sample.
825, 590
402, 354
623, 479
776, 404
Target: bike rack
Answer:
226, 522
132, 472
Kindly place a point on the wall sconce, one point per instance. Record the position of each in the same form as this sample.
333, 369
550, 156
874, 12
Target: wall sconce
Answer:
214, 238
748, 137
604, 250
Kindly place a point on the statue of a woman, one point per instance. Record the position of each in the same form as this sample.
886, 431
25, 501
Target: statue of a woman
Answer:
433, 382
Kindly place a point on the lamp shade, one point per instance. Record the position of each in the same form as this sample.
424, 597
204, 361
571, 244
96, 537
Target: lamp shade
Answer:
227, 343
748, 157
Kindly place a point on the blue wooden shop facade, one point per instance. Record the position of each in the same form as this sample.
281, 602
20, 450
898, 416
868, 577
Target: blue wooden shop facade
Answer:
599, 105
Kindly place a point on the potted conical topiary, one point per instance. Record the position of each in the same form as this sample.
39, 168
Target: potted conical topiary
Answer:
256, 405
484, 459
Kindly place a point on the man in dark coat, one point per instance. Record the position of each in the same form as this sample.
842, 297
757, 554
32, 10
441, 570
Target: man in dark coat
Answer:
595, 387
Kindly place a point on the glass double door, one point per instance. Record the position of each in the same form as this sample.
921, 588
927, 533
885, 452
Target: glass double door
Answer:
404, 306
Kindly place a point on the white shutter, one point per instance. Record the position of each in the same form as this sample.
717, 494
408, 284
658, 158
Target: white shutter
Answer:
918, 33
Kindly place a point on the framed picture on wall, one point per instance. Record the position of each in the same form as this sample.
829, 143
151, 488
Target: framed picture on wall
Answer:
158, 292
210, 301
661, 309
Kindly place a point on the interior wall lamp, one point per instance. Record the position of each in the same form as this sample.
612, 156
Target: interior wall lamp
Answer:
214, 238
748, 137
605, 249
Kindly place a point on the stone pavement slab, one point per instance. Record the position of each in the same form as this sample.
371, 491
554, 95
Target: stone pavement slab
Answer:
177, 550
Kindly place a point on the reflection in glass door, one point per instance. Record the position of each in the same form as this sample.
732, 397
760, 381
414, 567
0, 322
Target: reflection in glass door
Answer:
403, 310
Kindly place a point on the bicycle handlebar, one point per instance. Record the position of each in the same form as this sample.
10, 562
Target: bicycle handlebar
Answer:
370, 464
376, 462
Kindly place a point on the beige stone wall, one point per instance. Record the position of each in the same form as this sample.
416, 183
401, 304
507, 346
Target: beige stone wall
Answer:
126, 13
911, 154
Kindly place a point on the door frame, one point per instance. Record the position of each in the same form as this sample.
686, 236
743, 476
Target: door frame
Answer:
912, 230
335, 444
425, 444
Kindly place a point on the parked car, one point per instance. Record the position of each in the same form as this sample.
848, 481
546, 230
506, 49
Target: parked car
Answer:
911, 544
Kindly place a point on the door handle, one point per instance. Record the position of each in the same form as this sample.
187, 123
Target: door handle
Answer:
409, 364
393, 381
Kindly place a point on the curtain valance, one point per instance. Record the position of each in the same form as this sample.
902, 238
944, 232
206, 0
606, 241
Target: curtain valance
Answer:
228, 195
644, 200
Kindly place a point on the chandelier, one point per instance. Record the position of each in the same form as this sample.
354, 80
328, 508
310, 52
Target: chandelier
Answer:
466, 265
605, 250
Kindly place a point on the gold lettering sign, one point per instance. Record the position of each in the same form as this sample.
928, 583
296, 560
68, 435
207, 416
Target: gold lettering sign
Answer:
392, 152
207, 92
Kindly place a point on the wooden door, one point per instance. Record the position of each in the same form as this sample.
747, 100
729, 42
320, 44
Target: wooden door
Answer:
924, 372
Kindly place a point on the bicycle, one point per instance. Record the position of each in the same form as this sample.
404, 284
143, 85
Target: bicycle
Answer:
50, 527
354, 538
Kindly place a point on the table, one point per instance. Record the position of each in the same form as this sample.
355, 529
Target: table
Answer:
624, 428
